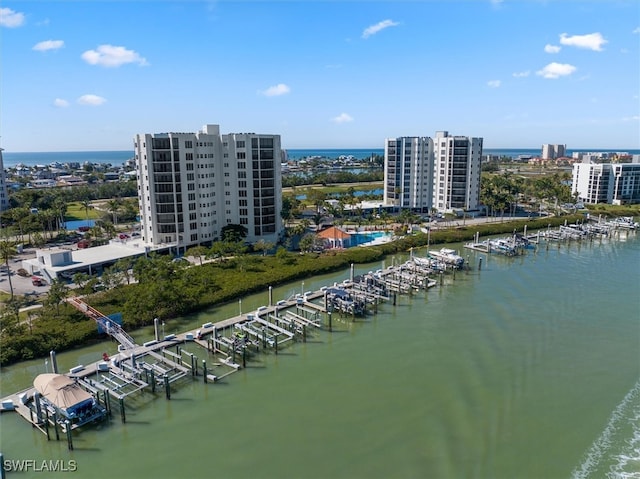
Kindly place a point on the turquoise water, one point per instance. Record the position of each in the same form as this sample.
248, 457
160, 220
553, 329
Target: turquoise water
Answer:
119, 157
367, 237
528, 368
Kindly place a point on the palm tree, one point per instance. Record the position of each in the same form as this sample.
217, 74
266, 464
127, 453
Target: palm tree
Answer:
113, 206
59, 212
86, 204
8, 251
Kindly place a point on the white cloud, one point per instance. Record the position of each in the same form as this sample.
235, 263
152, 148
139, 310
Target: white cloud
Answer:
276, 90
521, 74
556, 70
48, 45
10, 19
60, 103
631, 118
91, 100
373, 29
494, 83
636, 30
552, 48
591, 41
342, 118
112, 56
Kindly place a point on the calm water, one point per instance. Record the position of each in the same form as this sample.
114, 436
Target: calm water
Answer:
529, 368
117, 158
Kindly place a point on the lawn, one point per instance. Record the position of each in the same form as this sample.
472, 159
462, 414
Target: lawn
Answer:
76, 212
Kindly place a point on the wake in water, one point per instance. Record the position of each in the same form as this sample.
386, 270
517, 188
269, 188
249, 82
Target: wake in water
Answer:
618, 445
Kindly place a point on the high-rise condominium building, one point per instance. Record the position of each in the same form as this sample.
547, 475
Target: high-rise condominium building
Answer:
423, 173
4, 197
191, 185
613, 183
552, 152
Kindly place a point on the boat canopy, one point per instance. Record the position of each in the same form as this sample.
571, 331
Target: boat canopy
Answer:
63, 393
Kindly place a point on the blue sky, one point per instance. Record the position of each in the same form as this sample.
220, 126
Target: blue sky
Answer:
80, 75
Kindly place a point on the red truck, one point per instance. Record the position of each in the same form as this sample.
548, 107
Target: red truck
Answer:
37, 281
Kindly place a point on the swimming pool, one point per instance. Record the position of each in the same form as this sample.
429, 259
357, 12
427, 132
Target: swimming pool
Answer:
366, 237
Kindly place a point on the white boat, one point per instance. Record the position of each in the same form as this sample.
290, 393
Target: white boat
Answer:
503, 246
448, 256
624, 222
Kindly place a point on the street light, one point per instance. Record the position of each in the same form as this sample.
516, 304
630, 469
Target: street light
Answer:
240, 306
163, 329
302, 288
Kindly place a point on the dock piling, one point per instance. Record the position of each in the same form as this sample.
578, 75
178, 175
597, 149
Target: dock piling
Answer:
167, 388
156, 329
55, 425
204, 370
54, 362
69, 435
123, 415
46, 424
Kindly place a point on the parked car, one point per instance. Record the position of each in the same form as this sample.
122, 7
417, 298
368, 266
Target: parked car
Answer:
37, 281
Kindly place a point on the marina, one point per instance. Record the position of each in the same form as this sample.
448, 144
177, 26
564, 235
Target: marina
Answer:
291, 314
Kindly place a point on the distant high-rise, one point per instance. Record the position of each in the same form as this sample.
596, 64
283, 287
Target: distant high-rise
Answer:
424, 173
4, 197
191, 185
553, 152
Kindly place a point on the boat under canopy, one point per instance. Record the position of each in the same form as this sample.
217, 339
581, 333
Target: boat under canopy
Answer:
64, 394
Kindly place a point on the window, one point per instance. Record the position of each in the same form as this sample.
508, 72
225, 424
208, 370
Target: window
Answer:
239, 144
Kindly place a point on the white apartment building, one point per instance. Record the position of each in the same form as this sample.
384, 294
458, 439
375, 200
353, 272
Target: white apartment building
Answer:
424, 173
408, 172
553, 152
4, 196
191, 185
613, 183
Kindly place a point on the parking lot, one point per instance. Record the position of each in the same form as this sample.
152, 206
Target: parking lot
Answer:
22, 285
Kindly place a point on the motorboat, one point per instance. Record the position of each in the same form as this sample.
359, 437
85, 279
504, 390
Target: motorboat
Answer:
447, 256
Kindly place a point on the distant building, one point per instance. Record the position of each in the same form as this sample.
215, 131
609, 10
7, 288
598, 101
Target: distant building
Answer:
613, 183
553, 152
191, 185
423, 173
4, 197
